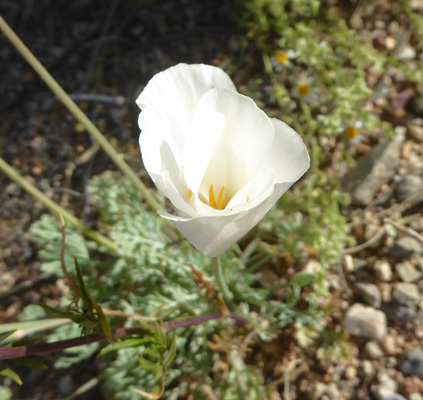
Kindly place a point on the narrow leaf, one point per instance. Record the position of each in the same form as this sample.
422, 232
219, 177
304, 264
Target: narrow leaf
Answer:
8, 373
124, 344
149, 396
170, 354
5, 335
86, 299
302, 279
76, 317
148, 365
31, 362
104, 322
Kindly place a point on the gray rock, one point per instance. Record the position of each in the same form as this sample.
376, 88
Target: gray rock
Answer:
370, 293
365, 321
411, 362
383, 270
406, 247
398, 313
373, 171
406, 294
408, 185
408, 272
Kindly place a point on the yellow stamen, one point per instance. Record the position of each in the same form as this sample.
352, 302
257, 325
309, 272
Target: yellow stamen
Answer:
303, 89
281, 57
212, 200
189, 194
219, 200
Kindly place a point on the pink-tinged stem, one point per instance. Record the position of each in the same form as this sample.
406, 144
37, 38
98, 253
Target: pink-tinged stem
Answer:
45, 348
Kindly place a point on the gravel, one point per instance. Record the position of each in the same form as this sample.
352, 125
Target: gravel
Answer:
365, 321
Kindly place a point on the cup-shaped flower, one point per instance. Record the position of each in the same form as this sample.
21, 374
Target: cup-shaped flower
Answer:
221, 161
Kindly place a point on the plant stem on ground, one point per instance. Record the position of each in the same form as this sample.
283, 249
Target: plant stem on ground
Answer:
54, 207
78, 114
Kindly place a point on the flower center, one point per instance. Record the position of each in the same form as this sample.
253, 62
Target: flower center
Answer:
303, 89
351, 132
212, 200
281, 57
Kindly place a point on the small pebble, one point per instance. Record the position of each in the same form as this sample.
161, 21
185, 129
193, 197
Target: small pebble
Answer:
370, 293
407, 185
390, 43
407, 53
368, 368
411, 362
406, 294
399, 313
365, 321
373, 350
386, 292
411, 385
370, 231
383, 270
388, 395
350, 373
389, 345
406, 247
387, 382
416, 132
408, 272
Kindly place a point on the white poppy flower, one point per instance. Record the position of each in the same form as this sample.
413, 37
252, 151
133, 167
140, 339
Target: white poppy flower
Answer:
221, 161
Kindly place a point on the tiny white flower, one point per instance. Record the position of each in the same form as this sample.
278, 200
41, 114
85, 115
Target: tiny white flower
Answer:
304, 88
353, 133
221, 161
282, 59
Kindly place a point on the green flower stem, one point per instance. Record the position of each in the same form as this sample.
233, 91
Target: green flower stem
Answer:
279, 90
54, 207
220, 281
78, 114
312, 125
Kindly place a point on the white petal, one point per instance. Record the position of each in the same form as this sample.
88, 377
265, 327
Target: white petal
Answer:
165, 172
229, 139
286, 161
288, 154
213, 235
170, 97
179, 196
